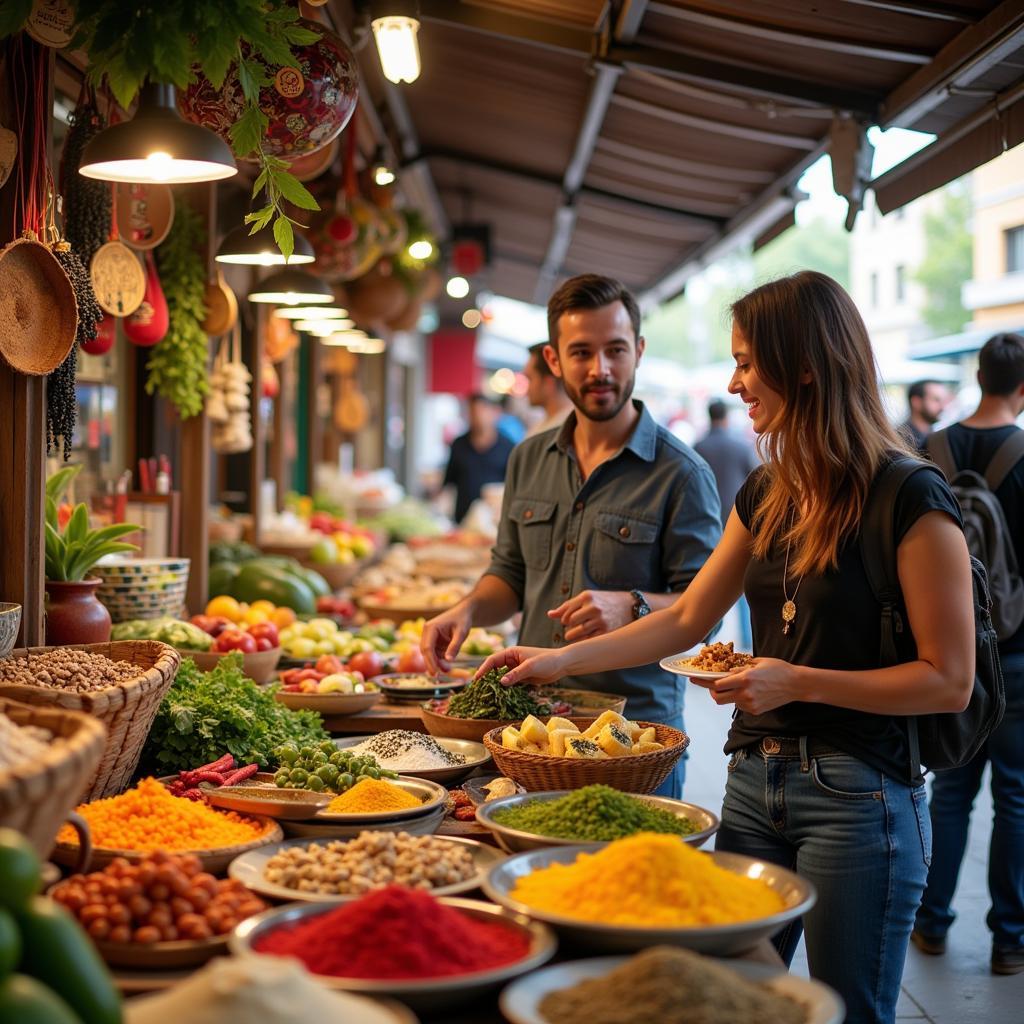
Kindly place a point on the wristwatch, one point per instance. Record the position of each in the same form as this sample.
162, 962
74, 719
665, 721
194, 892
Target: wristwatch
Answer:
640, 605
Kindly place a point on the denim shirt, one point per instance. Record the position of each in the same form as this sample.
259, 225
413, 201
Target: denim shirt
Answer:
646, 519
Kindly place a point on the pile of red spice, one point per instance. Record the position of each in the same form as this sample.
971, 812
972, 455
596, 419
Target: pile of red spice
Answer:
397, 933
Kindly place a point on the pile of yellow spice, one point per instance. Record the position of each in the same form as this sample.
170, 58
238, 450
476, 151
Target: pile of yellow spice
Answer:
372, 796
648, 880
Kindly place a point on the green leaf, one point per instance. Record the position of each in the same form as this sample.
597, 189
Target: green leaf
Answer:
284, 236
13, 14
299, 36
78, 524
294, 191
57, 484
260, 182
260, 219
247, 132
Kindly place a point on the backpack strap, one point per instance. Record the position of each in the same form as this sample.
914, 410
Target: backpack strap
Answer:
941, 452
878, 552
1007, 455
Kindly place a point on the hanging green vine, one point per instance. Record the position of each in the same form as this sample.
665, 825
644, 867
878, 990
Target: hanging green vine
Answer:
163, 40
177, 365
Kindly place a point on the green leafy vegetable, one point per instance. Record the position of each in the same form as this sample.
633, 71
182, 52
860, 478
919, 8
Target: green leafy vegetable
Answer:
487, 698
205, 714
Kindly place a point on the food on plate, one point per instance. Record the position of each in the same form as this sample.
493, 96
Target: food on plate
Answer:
149, 817
487, 698
371, 861
257, 990
460, 806
206, 713
163, 898
341, 607
647, 880
480, 643
373, 796
717, 657
63, 668
431, 595
324, 768
671, 986
222, 772
186, 636
592, 814
329, 676
402, 750
609, 735
22, 744
360, 939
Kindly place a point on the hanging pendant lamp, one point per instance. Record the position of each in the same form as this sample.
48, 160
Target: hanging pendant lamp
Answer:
395, 24
157, 145
292, 288
260, 249
312, 313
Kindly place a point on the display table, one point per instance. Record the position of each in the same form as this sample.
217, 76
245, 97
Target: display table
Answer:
381, 717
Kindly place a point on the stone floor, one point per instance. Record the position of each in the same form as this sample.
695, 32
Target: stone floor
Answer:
953, 989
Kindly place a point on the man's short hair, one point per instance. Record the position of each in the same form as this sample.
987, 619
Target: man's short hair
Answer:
537, 355
590, 291
479, 396
1001, 364
919, 388
717, 411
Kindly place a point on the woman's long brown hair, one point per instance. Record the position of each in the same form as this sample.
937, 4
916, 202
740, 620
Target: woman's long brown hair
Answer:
809, 343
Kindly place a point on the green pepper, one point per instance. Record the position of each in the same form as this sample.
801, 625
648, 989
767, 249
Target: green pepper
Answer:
58, 953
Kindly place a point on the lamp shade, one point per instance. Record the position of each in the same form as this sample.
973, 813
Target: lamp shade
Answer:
312, 313
395, 24
260, 249
157, 145
291, 287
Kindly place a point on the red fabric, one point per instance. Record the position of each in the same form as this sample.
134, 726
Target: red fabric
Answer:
397, 933
453, 369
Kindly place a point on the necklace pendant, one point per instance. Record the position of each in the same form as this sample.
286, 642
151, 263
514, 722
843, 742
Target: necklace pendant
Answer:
788, 615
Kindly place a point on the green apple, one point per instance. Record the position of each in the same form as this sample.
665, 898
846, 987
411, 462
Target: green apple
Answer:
361, 546
324, 551
324, 647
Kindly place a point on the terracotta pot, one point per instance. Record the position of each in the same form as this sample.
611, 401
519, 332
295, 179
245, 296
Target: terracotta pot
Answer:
74, 614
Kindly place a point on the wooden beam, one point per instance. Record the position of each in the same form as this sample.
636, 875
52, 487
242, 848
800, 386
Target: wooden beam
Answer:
922, 9
631, 15
791, 36
684, 165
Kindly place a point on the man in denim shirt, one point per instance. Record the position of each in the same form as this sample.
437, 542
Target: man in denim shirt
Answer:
604, 519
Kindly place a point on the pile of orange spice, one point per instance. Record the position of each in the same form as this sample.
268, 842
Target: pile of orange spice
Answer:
149, 817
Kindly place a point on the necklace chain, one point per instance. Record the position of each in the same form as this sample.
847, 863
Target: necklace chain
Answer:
789, 604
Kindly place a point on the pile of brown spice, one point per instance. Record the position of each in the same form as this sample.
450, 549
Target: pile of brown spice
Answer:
65, 669
665, 985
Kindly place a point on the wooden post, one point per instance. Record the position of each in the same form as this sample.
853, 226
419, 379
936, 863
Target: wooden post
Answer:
258, 456
315, 426
279, 467
23, 408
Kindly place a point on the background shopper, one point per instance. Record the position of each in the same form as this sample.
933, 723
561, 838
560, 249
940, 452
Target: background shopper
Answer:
926, 400
478, 457
545, 391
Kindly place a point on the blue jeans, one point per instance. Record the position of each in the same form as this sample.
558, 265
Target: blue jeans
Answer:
953, 794
864, 841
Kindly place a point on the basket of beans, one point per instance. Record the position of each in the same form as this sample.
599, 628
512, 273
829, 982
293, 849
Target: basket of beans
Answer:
163, 911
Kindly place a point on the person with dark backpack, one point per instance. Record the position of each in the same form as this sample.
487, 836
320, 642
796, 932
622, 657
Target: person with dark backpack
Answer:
983, 457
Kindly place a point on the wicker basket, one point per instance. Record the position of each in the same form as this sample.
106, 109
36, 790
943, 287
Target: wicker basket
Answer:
637, 773
35, 798
126, 709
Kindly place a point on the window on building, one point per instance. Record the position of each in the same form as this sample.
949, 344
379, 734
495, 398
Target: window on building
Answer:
874, 290
1015, 250
901, 283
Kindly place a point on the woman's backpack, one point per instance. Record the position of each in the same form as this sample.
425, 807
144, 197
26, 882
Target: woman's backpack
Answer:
945, 740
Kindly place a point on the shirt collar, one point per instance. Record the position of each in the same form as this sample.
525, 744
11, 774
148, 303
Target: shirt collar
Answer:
643, 442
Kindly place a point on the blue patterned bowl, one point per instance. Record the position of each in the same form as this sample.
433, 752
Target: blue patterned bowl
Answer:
10, 621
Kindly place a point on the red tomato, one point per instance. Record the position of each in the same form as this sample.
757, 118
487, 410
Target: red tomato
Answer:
212, 624
412, 661
329, 664
367, 662
267, 630
263, 643
235, 640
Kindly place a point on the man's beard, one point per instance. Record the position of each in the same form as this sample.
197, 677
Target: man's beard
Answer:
620, 396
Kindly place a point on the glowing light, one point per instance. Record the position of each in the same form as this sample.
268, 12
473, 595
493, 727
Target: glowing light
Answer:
457, 287
421, 250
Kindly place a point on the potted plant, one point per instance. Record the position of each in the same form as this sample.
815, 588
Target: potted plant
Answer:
74, 615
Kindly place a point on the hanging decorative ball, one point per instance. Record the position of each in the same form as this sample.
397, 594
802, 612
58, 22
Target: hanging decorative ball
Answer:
393, 230
106, 333
377, 297
467, 258
341, 254
308, 106
148, 324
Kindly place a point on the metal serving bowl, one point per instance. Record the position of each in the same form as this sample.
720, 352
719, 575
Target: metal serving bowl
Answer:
427, 995
516, 841
720, 940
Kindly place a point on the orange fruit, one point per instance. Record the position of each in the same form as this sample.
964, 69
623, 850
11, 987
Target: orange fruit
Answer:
282, 617
263, 605
225, 607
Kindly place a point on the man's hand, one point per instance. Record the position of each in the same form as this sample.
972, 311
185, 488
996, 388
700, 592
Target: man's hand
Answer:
443, 636
526, 665
593, 612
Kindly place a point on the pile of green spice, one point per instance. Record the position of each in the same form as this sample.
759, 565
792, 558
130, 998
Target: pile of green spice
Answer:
592, 814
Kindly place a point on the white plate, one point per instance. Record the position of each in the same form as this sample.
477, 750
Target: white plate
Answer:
521, 1000
476, 754
678, 667
249, 870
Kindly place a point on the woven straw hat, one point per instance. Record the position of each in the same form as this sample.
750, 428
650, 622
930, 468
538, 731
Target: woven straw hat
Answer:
38, 310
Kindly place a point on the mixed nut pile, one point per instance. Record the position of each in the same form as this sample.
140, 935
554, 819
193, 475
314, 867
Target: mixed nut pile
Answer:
66, 669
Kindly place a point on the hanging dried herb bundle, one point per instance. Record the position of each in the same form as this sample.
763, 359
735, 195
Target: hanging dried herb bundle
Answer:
177, 367
87, 202
61, 403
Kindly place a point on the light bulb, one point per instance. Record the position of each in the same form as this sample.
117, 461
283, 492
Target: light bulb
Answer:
421, 250
397, 46
458, 287
383, 175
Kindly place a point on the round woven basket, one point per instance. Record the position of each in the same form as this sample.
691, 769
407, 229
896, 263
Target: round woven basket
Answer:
126, 709
36, 797
38, 309
635, 773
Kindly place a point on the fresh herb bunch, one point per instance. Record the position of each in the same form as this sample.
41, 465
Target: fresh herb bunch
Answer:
163, 42
61, 400
205, 714
177, 365
487, 698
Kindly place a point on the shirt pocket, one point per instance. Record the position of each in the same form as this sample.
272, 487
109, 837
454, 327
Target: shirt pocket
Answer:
534, 519
623, 550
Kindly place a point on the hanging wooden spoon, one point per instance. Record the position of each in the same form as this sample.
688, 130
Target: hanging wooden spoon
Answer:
221, 307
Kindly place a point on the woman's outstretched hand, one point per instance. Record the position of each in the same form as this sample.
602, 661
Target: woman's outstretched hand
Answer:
765, 684
537, 665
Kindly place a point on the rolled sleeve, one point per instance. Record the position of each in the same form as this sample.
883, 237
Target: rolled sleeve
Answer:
693, 526
506, 556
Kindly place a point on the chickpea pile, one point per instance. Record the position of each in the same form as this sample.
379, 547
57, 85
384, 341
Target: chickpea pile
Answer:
371, 861
162, 898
